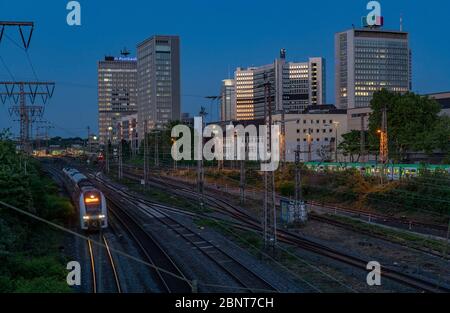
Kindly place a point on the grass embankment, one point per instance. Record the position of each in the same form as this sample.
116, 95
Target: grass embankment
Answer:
401, 237
425, 198
30, 259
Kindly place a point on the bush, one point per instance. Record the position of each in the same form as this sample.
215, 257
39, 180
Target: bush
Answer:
287, 189
42, 285
29, 258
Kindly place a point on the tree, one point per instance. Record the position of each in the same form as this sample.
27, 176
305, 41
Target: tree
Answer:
351, 145
413, 123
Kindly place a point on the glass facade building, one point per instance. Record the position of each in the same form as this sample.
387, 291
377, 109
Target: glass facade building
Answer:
368, 60
117, 94
158, 66
293, 87
228, 100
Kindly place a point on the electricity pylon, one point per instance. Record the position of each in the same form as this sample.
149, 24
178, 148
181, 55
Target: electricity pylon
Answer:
27, 114
269, 209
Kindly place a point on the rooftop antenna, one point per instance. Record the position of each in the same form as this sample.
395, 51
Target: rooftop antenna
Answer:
401, 22
125, 52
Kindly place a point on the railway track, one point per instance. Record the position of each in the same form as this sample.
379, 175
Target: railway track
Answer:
94, 251
247, 279
240, 215
404, 223
308, 245
347, 226
297, 240
167, 274
93, 270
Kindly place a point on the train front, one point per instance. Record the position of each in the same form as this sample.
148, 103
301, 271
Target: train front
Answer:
93, 211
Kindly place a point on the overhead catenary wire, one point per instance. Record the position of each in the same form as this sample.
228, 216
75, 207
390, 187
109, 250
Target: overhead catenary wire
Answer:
315, 268
119, 252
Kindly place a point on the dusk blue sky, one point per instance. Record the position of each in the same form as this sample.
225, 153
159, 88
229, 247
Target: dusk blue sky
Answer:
216, 37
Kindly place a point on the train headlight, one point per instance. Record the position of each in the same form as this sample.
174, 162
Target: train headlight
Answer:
102, 217
86, 218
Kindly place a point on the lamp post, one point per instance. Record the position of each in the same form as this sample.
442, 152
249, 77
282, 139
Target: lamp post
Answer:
131, 145
309, 139
108, 142
336, 125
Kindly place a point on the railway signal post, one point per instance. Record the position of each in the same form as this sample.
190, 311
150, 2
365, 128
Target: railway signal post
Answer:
145, 154
242, 182
300, 207
269, 209
120, 167
200, 167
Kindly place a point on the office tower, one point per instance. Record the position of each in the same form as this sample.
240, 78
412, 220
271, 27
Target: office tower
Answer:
368, 60
303, 85
158, 65
228, 100
293, 87
117, 94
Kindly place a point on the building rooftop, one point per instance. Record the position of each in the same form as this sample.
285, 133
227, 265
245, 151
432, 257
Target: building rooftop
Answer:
443, 98
324, 109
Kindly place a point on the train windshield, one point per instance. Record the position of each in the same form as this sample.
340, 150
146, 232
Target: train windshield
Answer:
92, 201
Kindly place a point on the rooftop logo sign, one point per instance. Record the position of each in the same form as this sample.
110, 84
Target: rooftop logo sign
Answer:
374, 18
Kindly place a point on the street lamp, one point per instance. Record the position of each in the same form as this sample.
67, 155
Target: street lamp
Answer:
107, 148
309, 139
336, 125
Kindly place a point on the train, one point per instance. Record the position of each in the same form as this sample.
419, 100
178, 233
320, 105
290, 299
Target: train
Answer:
392, 171
90, 201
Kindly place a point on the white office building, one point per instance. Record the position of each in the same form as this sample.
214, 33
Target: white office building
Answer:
293, 87
158, 66
117, 94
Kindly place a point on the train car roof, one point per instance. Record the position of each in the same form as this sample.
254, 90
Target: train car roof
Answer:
415, 166
77, 177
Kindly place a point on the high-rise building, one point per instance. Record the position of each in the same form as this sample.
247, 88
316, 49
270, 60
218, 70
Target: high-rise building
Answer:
117, 94
304, 84
158, 65
293, 87
368, 60
228, 100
